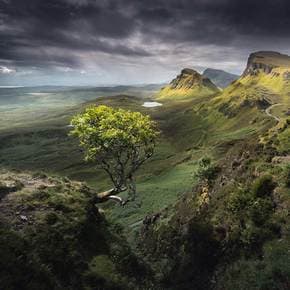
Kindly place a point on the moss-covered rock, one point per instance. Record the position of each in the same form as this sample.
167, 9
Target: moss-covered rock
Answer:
53, 237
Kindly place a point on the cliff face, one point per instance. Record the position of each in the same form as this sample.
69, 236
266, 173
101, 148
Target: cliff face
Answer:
266, 61
229, 217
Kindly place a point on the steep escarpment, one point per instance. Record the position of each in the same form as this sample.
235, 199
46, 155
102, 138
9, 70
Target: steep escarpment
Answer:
231, 231
189, 83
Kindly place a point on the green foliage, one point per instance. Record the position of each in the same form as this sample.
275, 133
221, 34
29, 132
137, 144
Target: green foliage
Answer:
260, 210
103, 130
206, 171
287, 175
187, 133
244, 204
239, 201
118, 141
19, 267
270, 273
284, 141
250, 214
264, 186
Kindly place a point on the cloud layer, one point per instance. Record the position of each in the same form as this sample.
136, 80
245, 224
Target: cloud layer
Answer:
129, 41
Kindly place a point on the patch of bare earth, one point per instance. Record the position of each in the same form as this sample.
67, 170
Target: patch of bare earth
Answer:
15, 188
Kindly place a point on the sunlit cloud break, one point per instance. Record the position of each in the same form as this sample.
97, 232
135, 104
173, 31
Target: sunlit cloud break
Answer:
6, 70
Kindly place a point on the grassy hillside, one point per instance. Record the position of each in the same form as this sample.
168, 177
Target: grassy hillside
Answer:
232, 230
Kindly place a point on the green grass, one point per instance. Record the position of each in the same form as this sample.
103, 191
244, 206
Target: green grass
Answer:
155, 193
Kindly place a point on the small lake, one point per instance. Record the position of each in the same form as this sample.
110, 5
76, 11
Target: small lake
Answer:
151, 104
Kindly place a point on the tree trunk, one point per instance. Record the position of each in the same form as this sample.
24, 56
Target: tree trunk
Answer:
132, 188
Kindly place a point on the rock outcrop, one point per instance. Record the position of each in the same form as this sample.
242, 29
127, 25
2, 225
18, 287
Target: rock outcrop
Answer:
266, 61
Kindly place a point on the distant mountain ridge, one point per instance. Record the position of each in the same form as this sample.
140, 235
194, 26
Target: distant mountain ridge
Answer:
219, 77
188, 83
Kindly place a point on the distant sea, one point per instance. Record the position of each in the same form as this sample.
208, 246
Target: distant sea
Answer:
10, 87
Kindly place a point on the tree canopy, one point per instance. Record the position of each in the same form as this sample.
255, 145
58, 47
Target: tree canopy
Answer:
117, 141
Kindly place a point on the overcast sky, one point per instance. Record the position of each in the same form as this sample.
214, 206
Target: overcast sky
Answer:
99, 42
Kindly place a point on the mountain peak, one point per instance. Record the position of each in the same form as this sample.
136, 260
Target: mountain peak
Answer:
266, 61
189, 79
188, 83
189, 71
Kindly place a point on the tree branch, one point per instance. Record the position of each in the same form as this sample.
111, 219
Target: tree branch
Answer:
111, 194
116, 198
107, 193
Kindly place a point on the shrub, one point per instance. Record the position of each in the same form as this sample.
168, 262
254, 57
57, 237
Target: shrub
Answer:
51, 218
206, 171
264, 186
271, 272
239, 201
250, 218
261, 210
287, 176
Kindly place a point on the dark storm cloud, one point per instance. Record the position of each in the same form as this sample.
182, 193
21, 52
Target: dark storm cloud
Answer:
71, 25
216, 21
68, 32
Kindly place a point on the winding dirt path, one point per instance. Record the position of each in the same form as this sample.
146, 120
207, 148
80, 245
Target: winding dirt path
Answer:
268, 112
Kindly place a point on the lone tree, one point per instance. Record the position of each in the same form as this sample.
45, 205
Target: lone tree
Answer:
118, 142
